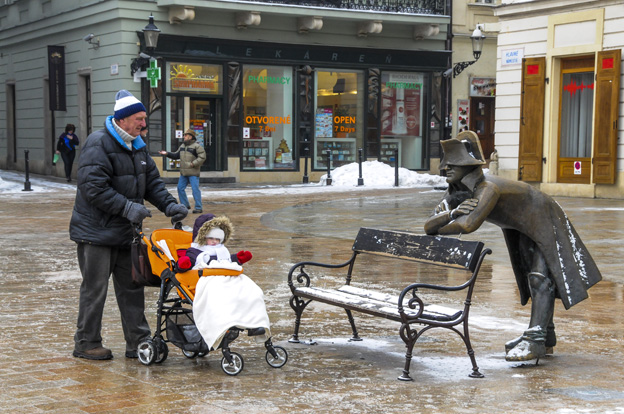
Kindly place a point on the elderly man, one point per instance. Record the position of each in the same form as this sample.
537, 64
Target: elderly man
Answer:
115, 175
547, 255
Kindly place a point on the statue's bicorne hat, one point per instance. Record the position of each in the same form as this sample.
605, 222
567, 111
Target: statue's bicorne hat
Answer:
464, 149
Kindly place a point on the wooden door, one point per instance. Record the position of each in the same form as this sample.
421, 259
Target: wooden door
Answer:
532, 119
607, 108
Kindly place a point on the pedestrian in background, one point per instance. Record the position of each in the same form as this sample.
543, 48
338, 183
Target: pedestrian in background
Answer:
115, 176
66, 147
191, 155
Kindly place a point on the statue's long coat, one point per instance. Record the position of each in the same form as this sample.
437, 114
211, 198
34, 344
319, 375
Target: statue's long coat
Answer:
523, 211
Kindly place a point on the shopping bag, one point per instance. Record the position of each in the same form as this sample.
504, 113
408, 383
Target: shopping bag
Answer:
55, 160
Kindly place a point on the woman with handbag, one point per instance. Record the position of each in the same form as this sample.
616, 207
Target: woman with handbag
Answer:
66, 147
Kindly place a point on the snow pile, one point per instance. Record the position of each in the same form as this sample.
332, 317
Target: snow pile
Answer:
378, 174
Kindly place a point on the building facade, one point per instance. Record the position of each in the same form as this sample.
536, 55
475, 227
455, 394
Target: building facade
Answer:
559, 103
273, 91
472, 102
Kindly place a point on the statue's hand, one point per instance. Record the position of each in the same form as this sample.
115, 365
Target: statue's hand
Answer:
443, 207
464, 208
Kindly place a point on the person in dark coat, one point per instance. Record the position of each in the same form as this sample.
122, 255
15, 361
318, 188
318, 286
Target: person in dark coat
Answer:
115, 176
548, 258
66, 147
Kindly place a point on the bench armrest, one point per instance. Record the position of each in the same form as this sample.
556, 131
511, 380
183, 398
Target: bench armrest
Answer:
298, 274
414, 287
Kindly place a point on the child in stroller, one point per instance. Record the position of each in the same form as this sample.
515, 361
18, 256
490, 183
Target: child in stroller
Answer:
223, 301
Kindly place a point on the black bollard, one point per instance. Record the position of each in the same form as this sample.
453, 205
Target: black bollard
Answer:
306, 179
27, 182
329, 179
396, 167
360, 179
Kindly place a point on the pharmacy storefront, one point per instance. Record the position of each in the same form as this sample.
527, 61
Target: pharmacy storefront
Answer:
267, 111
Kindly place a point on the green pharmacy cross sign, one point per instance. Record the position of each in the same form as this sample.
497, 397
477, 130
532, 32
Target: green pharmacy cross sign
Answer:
153, 74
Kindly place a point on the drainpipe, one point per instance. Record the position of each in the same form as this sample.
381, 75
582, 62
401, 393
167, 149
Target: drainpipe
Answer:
447, 82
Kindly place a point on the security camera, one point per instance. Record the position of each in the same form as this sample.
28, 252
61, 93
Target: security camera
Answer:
88, 37
144, 55
447, 73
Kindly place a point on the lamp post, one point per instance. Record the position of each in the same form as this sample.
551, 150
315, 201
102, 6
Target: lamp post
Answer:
150, 33
477, 46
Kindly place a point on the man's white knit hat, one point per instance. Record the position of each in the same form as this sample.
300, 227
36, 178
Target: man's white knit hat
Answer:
216, 233
126, 104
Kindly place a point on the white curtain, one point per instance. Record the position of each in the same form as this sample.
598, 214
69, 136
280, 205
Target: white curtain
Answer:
577, 101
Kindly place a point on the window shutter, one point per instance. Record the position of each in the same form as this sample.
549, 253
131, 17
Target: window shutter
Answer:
606, 115
532, 119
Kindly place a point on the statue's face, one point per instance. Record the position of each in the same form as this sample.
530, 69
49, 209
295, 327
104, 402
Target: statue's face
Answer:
454, 173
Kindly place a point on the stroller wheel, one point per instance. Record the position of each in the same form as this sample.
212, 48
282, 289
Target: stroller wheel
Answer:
235, 367
190, 354
279, 359
202, 354
146, 351
163, 350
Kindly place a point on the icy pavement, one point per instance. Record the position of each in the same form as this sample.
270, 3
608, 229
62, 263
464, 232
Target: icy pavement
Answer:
38, 306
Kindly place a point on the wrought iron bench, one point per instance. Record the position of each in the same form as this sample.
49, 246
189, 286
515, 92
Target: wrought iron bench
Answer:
408, 307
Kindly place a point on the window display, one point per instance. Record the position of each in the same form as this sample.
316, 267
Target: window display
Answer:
402, 97
338, 121
268, 118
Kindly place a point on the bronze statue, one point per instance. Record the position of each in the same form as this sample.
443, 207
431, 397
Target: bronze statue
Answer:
548, 257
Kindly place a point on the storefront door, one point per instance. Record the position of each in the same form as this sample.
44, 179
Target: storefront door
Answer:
203, 119
482, 122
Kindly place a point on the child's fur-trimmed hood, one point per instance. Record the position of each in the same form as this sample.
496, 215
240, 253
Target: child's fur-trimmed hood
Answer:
221, 222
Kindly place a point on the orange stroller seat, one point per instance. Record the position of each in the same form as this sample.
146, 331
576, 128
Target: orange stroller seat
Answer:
161, 258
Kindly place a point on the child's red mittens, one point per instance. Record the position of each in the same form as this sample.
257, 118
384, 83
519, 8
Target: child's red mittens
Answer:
184, 263
243, 256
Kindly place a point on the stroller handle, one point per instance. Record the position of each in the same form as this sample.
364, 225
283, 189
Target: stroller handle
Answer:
176, 224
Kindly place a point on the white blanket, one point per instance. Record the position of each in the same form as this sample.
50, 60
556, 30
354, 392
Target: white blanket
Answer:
222, 302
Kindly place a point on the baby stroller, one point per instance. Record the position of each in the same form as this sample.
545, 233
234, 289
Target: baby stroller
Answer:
175, 322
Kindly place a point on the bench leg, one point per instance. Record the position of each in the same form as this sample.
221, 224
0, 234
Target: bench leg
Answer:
356, 337
298, 306
475, 369
410, 337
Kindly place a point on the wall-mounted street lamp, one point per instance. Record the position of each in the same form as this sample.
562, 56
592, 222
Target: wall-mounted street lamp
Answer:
151, 33
477, 46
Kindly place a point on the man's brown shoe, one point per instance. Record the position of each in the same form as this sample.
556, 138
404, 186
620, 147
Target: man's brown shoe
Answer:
99, 353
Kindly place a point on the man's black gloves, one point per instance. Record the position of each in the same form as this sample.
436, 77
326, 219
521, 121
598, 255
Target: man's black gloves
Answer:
135, 212
177, 212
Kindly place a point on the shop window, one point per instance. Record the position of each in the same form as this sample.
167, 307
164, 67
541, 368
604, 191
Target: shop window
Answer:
268, 118
402, 121
339, 113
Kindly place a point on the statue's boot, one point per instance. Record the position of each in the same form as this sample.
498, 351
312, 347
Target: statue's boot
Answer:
532, 344
550, 342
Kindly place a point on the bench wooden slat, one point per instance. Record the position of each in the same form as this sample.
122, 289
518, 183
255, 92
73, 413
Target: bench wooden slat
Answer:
434, 250
375, 303
431, 312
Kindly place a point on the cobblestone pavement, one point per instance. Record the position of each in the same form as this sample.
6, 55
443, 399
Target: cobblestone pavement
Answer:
39, 283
